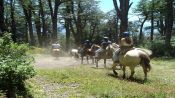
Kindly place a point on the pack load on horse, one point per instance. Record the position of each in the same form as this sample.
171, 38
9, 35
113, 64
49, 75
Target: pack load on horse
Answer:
101, 53
56, 49
129, 56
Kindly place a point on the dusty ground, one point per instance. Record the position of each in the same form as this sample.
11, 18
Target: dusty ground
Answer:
48, 61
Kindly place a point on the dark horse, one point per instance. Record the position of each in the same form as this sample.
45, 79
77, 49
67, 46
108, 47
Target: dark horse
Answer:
89, 52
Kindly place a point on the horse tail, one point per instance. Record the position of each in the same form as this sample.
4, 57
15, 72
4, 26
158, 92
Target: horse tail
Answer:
145, 61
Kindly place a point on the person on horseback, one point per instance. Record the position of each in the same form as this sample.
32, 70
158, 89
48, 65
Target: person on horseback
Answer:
56, 49
87, 44
126, 42
105, 42
56, 45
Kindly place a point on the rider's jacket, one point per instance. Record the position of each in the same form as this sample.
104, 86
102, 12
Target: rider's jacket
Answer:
126, 42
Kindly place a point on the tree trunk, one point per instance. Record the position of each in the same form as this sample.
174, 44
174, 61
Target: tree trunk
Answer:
38, 30
2, 25
122, 13
168, 22
44, 35
29, 20
54, 18
162, 32
13, 23
27, 9
67, 26
141, 27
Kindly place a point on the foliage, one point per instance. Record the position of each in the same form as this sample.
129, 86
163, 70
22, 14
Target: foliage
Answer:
15, 65
159, 48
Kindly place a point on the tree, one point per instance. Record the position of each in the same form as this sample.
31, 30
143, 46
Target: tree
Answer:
2, 25
27, 10
143, 10
15, 66
54, 16
84, 16
122, 13
13, 22
168, 21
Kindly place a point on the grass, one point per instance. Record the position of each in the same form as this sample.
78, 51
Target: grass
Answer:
84, 81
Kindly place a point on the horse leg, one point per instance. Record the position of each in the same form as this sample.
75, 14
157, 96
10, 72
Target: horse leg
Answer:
114, 68
132, 72
87, 59
92, 60
124, 68
104, 63
145, 73
81, 59
96, 63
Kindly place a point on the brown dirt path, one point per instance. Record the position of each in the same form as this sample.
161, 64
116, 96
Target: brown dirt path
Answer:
48, 61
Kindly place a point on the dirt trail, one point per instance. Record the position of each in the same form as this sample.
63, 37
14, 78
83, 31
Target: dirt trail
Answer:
48, 61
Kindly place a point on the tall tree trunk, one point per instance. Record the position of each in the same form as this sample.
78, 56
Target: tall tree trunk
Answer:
26, 32
141, 27
54, 12
162, 32
29, 20
38, 30
152, 21
168, 22
27, 9
13, 23
2, 25
122, 13
44, 35
67, 25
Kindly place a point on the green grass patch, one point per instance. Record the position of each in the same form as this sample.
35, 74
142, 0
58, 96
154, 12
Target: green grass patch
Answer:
84, 81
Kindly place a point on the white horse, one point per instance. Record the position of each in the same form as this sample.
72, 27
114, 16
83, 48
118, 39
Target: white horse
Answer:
132, 58
74, 53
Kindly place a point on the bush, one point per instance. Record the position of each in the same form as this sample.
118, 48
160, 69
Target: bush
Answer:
160, 49
15, 65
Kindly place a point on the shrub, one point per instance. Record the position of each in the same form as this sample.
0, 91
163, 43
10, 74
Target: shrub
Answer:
160, 49
15, 65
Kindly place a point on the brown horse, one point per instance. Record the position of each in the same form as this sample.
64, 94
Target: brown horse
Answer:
88, 53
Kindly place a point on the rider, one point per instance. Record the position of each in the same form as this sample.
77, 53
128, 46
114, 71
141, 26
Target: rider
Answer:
105, 42
56, 45
87, 44
126, 42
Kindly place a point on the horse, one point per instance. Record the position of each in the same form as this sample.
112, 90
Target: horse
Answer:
55, 49
88, 53
132, 58
74, 53
105, 53
55, 52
